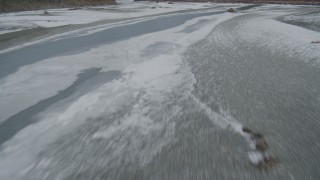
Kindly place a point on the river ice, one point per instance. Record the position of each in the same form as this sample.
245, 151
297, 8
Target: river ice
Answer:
147, 107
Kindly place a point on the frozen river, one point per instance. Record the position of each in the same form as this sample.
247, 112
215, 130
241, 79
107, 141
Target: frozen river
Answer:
167, 97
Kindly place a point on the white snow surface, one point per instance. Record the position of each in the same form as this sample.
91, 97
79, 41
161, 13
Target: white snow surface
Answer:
17, 21
314, 17
294, 40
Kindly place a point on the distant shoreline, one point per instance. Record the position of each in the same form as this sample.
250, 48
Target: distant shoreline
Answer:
17, 7
293, 2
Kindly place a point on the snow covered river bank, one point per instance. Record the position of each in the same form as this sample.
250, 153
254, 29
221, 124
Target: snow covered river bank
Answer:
165, 98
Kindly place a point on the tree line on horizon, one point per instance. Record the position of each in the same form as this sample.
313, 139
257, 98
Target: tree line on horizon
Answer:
20, 5
275, 1
16, 5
